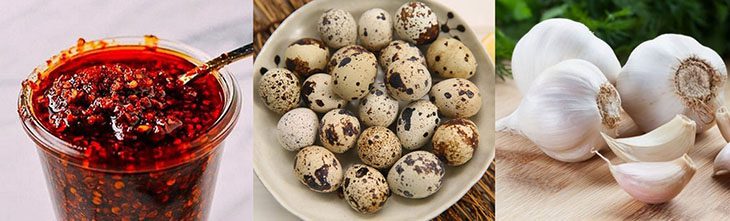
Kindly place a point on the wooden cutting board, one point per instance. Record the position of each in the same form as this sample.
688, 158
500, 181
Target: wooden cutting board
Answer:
531, 185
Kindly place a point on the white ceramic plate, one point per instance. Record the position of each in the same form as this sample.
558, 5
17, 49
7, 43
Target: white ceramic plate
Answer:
274, 165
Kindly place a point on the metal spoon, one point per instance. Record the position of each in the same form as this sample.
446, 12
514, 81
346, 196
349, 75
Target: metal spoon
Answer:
217, 63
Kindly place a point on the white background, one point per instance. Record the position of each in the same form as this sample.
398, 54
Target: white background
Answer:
33, 30
480, 16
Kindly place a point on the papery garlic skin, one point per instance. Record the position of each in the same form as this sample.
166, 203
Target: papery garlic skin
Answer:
668, 142
722, 116
555, 40
566, 110
669, 75
653, 182
722, 161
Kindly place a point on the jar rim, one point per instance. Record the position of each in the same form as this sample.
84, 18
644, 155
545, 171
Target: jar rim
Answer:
200, 146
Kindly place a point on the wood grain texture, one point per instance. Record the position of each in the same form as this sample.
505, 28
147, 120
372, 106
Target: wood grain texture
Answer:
268, 14
477, 204
531, 185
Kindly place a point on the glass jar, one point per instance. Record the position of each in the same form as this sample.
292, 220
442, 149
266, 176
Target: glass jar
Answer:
178, 187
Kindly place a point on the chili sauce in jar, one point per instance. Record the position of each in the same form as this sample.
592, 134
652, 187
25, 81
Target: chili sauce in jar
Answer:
121, 138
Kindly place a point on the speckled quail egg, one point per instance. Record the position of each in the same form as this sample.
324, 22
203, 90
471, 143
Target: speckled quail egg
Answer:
400, 50
416, 124
297, 129
378, 147
449, 58
279, 90
318, 169
306, 56
365, 189
342, 53
337, 28
407, 80
456, 97
378, 108
417, 23
339, 130
317, 94
455, 140
353, 75
416, 175
375, 29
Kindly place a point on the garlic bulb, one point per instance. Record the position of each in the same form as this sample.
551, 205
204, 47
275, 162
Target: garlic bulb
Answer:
669, 75
722, 161
668, 142
722, 116
555, 40
566, 110
653, 182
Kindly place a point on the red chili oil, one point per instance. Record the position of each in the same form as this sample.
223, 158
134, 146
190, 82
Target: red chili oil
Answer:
123, 108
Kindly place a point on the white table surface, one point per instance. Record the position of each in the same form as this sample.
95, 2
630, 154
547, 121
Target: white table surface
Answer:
33, 30
479, 14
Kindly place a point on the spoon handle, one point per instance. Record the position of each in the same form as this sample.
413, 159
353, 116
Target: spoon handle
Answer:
218, 62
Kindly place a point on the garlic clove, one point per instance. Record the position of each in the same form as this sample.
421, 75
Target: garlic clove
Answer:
555, 40
722, 161
668, 142
722, 116
566, 110
653, 182
669, 75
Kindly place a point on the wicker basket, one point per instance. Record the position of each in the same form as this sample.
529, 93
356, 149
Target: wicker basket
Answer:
477, 204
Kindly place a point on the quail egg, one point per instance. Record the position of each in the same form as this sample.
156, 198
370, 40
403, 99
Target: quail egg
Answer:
416, 124
353, 75
400, 50
449, 58
375, 29
317, 94
297, 129
365, 189
318, 169
456, 97
417, 23
279, 90
337, 28
306, 56
378, 147
416, 175
378, 108
407, 80
455, 141
342, 53
339, 130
